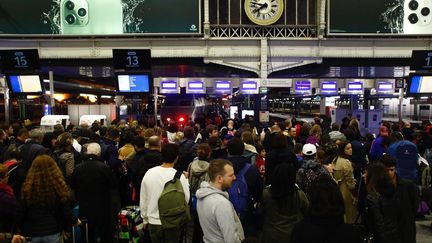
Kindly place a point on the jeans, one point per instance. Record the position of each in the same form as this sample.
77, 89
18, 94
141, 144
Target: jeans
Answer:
54, 238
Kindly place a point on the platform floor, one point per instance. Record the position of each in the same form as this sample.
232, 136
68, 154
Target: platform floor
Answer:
424, 230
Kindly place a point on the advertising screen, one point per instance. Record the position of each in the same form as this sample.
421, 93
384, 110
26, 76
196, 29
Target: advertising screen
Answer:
99, 17
419, 84
133, 83
372, 17
25, 84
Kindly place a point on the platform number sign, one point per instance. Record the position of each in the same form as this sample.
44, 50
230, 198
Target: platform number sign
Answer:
15, 60
20, 60
421, 60
132, 59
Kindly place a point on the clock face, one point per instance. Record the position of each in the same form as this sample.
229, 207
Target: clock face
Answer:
264, 12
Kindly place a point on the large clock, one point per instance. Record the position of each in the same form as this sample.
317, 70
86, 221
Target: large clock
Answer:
264, 12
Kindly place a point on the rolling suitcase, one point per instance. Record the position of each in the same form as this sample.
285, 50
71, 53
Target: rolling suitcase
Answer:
130, 225
77, 232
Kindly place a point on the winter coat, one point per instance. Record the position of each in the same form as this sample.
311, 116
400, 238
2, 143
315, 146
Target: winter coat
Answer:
408, 197
312, 139
250, 152
377, 149
29, 151
109, 153
93, 183
46, 220
8, 208
279, 221
187, 149
309, 171
198, 172
383, 215
344, 176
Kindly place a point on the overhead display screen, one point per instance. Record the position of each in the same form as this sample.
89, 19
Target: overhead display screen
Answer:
170, 86
249, 87
133, 83
355, 87
195, 87
25, 84
384, 86
99, 17
223, 86
419, 84
372, 17
329, 87
302, 87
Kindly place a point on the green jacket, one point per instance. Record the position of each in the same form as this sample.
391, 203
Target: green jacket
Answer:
279, 221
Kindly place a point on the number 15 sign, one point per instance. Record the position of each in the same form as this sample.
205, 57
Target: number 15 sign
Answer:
16, 60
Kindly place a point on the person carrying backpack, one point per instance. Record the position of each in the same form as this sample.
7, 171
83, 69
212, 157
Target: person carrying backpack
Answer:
247, 189
310, 169
63, 154
198, 172
407, 157
218, 219
164, 199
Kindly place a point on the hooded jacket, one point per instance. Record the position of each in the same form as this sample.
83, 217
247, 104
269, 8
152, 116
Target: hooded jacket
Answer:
250, 152
197, 173
218, 219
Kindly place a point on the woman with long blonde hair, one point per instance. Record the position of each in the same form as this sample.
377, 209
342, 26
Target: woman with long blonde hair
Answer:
314, 135
46, 201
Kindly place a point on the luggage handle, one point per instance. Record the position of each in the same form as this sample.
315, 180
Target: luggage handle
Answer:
83, 222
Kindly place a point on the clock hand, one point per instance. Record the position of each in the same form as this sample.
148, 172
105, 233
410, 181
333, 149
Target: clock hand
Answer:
259, 4
263, 6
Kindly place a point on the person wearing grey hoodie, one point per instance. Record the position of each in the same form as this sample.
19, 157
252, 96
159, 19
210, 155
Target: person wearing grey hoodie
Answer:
217, 216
